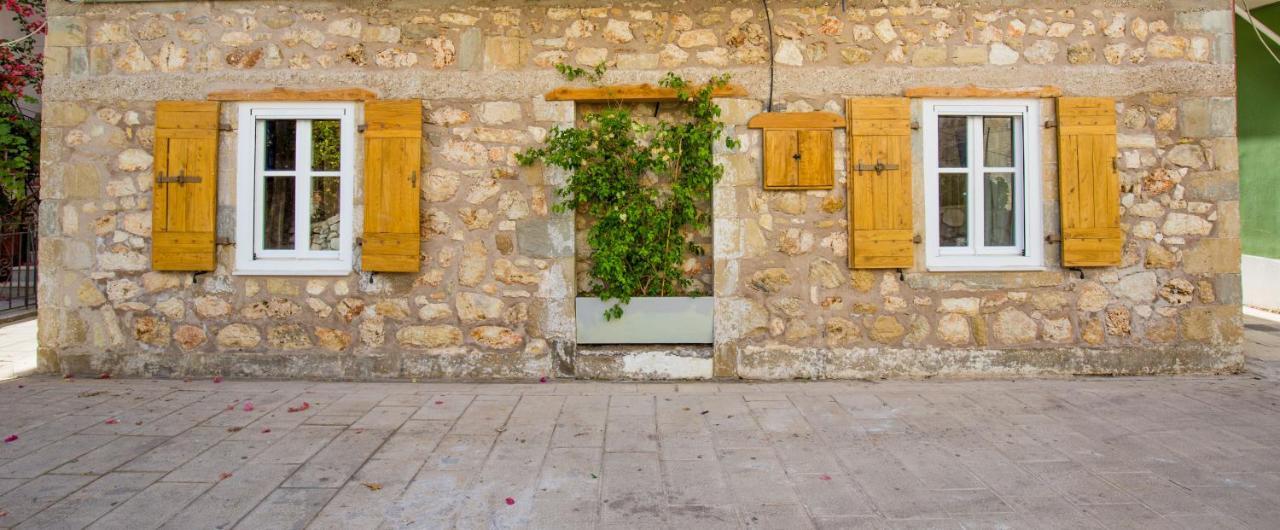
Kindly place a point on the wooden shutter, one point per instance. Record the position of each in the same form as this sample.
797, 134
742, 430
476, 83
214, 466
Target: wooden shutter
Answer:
1087, 180
817, 163
185, 186
880, 199
392, 186
779, 158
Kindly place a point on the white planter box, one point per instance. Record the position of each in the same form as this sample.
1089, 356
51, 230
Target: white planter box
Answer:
665, 320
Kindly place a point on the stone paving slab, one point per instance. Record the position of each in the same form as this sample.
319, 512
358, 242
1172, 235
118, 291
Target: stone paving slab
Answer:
1081, 453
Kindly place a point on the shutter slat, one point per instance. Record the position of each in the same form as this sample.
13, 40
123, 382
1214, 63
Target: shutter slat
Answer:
392, 186
1088, 183
184, 214
880, 202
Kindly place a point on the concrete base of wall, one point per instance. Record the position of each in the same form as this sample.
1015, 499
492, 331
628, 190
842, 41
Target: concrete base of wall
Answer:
1259, 275
649, 362
780, 362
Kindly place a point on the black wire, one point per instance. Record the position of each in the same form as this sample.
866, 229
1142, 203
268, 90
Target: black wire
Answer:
769, 20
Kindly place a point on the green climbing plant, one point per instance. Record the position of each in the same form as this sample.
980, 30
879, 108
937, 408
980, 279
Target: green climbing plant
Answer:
645, 187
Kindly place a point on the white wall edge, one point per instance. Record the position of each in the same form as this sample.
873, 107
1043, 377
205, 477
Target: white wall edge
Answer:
1258, 277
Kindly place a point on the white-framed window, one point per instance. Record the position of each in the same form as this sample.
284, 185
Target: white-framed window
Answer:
295, 180
982, 185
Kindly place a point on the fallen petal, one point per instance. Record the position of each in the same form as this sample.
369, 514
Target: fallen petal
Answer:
510, 501
248, 406
112, 421
217, 379
373, 486
824, 476
11, 438
104, 375
300, 408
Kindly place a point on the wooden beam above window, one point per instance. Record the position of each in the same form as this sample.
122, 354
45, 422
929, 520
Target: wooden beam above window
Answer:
972, 91
293, 94
644, 93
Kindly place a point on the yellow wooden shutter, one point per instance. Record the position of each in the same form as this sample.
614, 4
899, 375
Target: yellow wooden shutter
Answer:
392, 186
1087, 180
880, 199
185, 186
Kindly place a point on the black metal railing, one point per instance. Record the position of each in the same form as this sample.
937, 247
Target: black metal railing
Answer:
18, 260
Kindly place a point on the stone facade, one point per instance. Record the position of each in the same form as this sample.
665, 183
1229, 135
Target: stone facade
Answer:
495, 295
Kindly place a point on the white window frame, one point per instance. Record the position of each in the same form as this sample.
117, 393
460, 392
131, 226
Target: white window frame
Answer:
251, 258
1028, 253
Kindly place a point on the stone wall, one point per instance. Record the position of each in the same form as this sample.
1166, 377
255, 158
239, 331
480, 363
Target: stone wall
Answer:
494, 297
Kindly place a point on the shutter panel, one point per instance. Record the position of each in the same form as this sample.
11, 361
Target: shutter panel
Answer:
185, 186
817, 164
880, 198
779, 158
392, 186
1087, 181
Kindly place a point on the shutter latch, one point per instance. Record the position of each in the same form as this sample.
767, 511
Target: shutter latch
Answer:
178, 179
879, 167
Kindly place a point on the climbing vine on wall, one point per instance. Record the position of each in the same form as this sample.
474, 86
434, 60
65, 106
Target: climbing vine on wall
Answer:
645, 186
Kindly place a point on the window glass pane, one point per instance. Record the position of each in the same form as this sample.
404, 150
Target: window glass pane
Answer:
953, 142
953, 201
324, 213
278, 210
999, 214
326, 144
997, 134
279, 148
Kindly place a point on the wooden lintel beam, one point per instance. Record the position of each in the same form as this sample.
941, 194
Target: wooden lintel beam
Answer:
633, 93
796, 120
973, 91
294, 94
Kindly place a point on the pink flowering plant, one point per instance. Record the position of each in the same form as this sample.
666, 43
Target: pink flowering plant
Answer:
21, 74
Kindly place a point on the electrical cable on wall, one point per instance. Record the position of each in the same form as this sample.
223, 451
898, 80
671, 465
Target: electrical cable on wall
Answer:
769, 21
1253, 22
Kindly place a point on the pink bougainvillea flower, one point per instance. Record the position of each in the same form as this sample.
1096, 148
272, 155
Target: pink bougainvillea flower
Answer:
510, 501
300, 408
248, 406
112, 421
10, 438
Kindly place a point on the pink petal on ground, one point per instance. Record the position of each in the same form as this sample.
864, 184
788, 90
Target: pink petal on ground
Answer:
542, 379
439, 402
217, 379
824, 476
510, 501
11, 438
248, 406
300, 408
266, 430
104, 375
112, 421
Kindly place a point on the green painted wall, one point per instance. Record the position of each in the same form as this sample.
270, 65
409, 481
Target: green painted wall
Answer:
1259, 79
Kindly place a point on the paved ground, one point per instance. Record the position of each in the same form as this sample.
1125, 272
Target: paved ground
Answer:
1119, 453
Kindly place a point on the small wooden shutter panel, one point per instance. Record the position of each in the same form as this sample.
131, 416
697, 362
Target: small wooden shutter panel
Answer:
185, 186
880, 198
1087, 180
392, 186
779, 157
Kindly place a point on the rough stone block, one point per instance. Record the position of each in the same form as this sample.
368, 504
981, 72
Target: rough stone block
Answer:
1211, 256
551, 238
